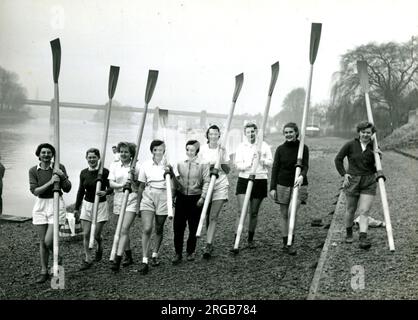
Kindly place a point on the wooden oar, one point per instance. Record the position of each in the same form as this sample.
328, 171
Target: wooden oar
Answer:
56, 64
151, 83
163, 119
113, 80
313, 50
239, 79
274, 75
364, 82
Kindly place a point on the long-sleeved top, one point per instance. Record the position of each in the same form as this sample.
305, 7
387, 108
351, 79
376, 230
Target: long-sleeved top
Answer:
38, 177
360, 163
244, 158
193, 177
285, 157
87, 187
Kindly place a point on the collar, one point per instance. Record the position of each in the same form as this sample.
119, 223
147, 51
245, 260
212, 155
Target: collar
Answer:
195, 159
122, 165
51, 166
248, 143
95, 168
367, 145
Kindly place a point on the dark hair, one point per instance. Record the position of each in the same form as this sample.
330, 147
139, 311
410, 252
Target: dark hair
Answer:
155, 143
293, 126
193, 143
250, 125
45, 145
131, 147
213, 126
93, 150
366, 125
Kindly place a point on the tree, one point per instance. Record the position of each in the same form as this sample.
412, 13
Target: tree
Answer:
12, 94
393, 73
292, 108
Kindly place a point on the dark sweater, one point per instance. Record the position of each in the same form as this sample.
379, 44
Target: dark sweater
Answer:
283, 171
87, 186
38, 177
360, 163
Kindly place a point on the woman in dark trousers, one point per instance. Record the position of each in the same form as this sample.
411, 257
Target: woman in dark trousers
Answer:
192, 184
359, 180
283, 179
85, 200
41, 180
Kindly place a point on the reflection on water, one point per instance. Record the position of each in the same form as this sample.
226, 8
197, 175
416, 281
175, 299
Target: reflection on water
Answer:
18, 143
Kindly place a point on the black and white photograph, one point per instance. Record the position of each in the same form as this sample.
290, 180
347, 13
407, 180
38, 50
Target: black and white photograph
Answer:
236, 152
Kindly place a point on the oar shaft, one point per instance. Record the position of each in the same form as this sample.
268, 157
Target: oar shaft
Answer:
119, 225
94, 215
381, 181
293, 209
169, 196
305, 114
56, 184
386, 215
208, 199
243, 213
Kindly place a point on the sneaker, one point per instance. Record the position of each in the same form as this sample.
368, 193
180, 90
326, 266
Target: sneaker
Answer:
251, 244
191, 256
234, 251
41, 278
208, 251
143, 269
349, 238
365, 243
290, 250
155, 261
85, 265
127, 261
116, 264
176, 260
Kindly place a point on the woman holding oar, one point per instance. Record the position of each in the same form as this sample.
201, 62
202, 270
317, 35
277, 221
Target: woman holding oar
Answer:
359, 180
209, 155
85, 200
192, 185
41, 179
283, 178
152, 196
119, 173
245, 155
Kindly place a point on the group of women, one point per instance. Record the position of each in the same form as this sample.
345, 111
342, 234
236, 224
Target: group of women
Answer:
190, 181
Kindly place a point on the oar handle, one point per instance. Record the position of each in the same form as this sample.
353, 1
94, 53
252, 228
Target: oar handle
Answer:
94, 214
118, 230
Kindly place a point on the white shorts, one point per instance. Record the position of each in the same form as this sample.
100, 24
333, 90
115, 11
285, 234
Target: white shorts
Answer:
87, 211
43, 211
154, 200
220, 191
130, 206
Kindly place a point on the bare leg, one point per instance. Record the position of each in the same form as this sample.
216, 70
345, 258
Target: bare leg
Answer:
124, 237
86, 225
364, 204
159, 228
43, 250
214, 213
351, 208
147, 219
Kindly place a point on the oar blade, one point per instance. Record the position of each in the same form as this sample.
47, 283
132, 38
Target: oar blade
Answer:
56, 58
362, 73
113, 80
151, 83
239, 80
315, 38
274, 74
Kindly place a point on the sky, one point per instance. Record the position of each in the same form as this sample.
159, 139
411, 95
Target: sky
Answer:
198, 46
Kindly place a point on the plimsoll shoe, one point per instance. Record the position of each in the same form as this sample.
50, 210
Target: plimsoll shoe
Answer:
85, 265
155, 261
208, 251
41, 278
176, 260
143, 269
365, 243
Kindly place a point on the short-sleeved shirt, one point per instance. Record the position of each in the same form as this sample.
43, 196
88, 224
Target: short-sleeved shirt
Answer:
152, 174
244, 157
119, 173
209, 156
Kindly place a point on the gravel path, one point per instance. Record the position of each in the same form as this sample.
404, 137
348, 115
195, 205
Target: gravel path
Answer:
260, 273
352, 273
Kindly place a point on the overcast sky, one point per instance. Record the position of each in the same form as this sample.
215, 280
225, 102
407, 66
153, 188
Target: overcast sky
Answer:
197, 45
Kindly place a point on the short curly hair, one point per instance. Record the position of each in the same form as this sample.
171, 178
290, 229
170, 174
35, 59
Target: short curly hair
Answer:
365, 125
45, 145
293, 126
131, 147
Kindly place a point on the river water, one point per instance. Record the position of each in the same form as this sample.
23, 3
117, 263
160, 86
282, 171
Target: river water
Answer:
18, 143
